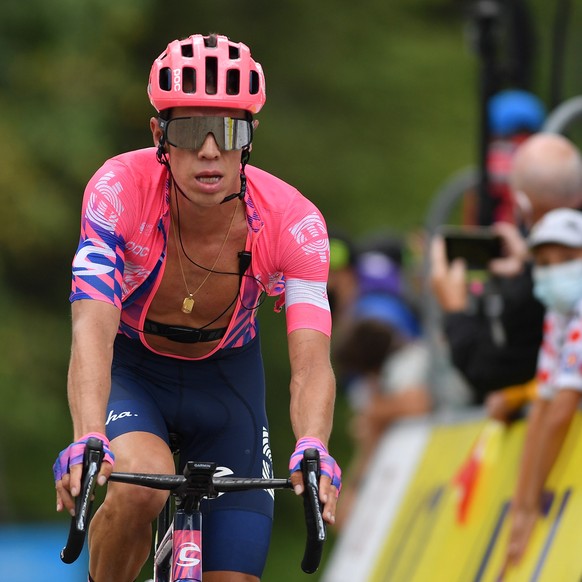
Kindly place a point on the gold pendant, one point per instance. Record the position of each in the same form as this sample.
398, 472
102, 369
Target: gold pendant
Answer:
188, 304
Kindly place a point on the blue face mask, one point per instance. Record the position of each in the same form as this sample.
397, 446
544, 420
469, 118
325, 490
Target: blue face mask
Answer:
559, 286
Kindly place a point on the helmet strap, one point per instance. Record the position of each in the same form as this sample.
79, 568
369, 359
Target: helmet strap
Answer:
162, 154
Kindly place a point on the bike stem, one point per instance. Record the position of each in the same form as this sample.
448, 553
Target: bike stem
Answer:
198, 484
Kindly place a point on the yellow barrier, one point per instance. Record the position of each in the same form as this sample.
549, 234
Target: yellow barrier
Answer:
454, 517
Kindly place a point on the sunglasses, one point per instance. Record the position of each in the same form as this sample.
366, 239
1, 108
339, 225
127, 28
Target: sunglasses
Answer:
189, 133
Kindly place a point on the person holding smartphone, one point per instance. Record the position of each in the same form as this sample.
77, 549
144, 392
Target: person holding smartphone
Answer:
493, 323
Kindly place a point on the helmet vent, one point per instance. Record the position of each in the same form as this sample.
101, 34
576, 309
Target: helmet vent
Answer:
254, 84
166, 79
211, 41
233, 82
211, 75
233, 53
187, 50
189, 80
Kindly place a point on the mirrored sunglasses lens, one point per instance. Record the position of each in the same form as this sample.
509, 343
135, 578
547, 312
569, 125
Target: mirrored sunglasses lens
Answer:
181, 133
190, 132
237, 133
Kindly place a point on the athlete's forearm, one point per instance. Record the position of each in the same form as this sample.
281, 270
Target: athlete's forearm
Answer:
89, 377
312, 406
312, 385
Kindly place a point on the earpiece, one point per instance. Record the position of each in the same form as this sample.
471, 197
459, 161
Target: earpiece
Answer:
162, 154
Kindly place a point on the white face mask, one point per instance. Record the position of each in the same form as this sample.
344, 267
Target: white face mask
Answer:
559, 286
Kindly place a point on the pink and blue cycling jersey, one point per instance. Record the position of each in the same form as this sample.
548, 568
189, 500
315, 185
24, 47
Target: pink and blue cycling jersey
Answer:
122, 249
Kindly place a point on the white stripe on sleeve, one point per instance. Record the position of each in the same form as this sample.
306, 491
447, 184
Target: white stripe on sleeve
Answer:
302, 291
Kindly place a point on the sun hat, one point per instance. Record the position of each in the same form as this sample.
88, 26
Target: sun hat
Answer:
560, 226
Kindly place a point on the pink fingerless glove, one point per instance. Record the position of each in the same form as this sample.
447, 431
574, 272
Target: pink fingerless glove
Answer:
73, 454
328, 465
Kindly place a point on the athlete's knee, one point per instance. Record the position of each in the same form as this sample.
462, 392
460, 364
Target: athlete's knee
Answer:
133, 503
139, 453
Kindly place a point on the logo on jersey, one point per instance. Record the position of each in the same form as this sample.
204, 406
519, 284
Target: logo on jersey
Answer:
310, 234
104, 206
146, 229
83, 266
133, 276
136, 249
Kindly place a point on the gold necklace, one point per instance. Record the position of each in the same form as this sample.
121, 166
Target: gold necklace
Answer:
188, 303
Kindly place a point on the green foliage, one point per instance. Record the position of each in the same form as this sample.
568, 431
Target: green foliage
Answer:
370, 108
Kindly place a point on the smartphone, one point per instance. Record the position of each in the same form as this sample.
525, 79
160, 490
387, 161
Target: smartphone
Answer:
477, 245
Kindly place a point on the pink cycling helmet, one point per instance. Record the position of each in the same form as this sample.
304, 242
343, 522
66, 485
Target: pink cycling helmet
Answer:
207, 71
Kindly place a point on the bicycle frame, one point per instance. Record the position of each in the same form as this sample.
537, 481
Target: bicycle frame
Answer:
178, 554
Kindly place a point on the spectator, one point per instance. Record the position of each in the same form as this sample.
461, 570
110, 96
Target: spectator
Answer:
382, 287
494, 329
556, 243
388, 365
342, 284
369, 278
514, 115
371, 266
369, 270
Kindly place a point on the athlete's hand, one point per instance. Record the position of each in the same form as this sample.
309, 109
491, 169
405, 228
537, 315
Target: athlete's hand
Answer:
68, 468
330, 483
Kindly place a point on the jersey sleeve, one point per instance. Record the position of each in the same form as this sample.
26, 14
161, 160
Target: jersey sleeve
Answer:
560, 356
98, 264
570, 362
305, 267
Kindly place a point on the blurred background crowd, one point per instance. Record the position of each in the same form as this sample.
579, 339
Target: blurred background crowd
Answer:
394, 118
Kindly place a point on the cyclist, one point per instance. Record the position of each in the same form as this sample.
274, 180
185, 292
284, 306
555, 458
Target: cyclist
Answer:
179, 244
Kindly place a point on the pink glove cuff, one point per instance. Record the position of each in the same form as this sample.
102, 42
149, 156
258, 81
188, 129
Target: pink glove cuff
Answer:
328, 465
74, 453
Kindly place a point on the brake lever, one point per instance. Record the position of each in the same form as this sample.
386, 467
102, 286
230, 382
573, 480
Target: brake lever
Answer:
92, 459
316, 528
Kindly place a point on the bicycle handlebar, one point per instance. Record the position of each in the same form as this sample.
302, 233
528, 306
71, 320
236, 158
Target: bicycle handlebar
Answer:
221, 484
80, 523
182, 485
